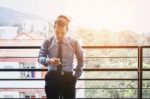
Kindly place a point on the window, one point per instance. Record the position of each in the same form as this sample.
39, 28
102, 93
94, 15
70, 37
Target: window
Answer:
8, 67
8, 96
27, 95
27, 74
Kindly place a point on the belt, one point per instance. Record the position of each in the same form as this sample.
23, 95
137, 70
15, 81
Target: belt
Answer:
62, 72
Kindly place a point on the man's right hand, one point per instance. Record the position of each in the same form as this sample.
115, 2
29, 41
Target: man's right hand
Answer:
54, 61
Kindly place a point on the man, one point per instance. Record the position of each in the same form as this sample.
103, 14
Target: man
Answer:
57, 54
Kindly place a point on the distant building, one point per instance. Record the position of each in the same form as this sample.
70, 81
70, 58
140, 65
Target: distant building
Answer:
15, 58
8, 32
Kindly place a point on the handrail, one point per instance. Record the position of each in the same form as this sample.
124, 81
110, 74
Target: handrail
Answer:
84, 69
139, 69
90, 46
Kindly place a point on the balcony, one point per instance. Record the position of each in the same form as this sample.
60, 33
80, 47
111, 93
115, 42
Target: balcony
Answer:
109, 72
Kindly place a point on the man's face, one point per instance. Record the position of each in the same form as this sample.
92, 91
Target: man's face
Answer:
60, 31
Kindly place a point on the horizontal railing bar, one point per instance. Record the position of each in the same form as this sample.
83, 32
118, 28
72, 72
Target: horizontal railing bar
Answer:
109, 88
111, 98
75, 57
111, 57
146, 79
146, 46
16, 57
79, 98
116, 57
20, 88
20, 79
78, 79
146, 69
37, 47
110, 47
81, 79
76, 88
111, 69
107, 79
95, 79
15, 70
102, 69
19, 47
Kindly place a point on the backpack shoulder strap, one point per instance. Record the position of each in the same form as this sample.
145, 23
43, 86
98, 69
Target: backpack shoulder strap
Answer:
72, 43
50, 42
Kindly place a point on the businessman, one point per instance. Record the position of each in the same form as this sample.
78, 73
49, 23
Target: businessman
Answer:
57, 53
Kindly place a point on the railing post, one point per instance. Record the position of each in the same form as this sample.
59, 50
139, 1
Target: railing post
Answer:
140, 71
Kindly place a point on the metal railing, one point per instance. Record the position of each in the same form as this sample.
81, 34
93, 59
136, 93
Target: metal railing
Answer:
139, 69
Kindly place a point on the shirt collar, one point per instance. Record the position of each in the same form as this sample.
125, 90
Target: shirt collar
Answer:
64, 40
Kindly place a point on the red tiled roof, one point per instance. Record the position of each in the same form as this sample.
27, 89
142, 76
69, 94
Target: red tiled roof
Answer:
28, 60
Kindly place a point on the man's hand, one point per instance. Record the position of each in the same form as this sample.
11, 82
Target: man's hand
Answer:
54, 61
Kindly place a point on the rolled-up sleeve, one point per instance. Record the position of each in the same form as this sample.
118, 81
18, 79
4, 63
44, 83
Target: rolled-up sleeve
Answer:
42, 57
80, 59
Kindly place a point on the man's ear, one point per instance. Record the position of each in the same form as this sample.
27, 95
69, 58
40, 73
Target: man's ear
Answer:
54, 25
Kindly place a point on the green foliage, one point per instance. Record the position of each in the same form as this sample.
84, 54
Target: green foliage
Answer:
114, 89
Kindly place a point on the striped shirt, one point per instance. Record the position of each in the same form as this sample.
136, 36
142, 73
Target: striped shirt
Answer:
70, 47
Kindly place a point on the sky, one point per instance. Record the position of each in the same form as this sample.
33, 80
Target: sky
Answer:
115, 15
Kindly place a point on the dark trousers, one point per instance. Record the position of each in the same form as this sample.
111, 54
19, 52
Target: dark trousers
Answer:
60, 86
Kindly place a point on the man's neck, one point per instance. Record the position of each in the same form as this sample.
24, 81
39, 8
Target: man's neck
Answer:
59, 39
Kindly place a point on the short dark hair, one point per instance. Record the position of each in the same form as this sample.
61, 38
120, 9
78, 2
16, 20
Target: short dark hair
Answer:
63, 16
62, 20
